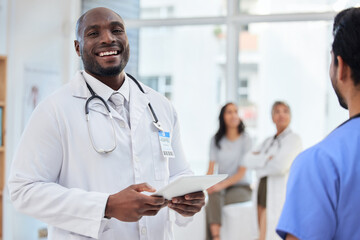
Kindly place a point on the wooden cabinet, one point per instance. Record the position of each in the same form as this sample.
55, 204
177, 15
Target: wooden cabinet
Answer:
2, 134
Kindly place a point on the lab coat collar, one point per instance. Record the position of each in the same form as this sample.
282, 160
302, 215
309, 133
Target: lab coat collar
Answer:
80, 90
138, 101
78, 86
99, 88
284, 133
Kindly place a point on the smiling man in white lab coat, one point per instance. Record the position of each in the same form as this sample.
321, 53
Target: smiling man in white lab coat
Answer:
66, 171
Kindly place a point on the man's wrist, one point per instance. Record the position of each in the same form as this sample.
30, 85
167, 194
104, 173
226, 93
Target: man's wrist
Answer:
108, 209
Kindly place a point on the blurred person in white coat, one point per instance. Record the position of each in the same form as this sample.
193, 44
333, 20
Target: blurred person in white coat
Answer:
92, 148
272, 161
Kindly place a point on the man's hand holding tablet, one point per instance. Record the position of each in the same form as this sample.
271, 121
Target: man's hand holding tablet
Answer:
189, 204
186, 195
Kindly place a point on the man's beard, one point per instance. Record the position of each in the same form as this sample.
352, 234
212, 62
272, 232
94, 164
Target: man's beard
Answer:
95, 68
340, 98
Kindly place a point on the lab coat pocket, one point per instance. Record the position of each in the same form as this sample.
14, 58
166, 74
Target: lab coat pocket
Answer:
161, 164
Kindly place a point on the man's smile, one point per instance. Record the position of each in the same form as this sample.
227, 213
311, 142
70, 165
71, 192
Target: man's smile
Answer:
108, 53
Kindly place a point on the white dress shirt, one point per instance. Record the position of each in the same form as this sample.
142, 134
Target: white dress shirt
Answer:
106, 93
58, 177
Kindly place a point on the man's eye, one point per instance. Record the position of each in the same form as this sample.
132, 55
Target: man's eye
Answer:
92, 34
118, 31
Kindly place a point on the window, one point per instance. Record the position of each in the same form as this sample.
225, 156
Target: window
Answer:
151, 9
285, 65
183, 64
243, 89
162, 84
203, 53
293, 6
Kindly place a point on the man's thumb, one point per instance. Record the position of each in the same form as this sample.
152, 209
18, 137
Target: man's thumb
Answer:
143, 187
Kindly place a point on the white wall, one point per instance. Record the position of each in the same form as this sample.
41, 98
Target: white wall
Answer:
40, 37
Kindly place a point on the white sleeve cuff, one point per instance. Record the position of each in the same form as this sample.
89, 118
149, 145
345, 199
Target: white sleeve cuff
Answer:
182, 221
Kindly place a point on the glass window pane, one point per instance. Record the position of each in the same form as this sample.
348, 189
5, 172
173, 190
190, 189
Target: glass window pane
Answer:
290, 62
181, 8
154, 9
128, 9
184, 64
292, 6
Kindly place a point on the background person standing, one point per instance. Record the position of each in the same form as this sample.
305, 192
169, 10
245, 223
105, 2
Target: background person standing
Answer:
272, 161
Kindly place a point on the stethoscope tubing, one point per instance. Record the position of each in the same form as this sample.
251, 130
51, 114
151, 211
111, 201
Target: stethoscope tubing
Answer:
95, 96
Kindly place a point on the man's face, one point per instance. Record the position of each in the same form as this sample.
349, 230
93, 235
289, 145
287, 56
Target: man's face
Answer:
281, 116
103, 44
334, 82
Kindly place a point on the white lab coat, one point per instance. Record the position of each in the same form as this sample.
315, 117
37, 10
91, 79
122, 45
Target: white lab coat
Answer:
283, 151
58, 177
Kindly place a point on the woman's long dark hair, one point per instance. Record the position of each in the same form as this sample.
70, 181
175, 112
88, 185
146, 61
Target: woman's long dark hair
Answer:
222, 127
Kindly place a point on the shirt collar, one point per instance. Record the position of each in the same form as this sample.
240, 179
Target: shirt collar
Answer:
125, 89
284, 133
105, 91
355, 116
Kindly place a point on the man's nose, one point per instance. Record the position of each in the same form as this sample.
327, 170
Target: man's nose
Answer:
107, 37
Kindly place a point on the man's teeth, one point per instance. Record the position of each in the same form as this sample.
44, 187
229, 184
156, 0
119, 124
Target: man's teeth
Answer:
107, 53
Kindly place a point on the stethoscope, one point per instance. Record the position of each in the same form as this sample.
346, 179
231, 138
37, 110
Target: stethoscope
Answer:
276, 139
156, 122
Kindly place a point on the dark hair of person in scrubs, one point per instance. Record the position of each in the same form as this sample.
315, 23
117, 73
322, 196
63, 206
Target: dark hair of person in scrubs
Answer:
346, 33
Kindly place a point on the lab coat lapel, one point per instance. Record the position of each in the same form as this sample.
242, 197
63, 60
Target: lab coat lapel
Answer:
80, 90
97, 106
78, 86
138, 103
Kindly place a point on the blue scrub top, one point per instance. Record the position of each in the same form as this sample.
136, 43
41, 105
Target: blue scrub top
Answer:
323, 190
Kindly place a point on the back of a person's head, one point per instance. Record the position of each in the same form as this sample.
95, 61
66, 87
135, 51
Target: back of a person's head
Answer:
346, 32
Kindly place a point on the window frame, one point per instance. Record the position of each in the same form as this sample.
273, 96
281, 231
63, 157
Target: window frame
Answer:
233, 21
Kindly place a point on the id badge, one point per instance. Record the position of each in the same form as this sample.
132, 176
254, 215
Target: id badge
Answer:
165, 143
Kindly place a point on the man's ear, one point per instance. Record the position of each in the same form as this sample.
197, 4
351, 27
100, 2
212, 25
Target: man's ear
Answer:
77, 47
343, 70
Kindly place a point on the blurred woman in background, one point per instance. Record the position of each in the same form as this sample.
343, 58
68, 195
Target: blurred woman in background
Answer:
272, 161
227, 150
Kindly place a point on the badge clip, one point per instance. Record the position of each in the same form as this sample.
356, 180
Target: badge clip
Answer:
158, 126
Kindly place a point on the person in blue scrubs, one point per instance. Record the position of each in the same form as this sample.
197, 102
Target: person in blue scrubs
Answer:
323, 193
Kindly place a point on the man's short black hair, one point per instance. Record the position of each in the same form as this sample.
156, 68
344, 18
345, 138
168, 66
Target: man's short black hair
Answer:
80, 21
346, 32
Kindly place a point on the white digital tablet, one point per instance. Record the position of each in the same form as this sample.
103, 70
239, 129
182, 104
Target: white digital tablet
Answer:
189, 184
